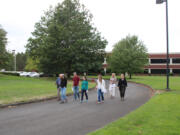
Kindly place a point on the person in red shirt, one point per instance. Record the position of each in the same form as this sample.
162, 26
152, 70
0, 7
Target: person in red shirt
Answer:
76, 80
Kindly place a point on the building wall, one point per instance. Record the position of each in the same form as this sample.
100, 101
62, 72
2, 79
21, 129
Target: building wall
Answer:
157, 63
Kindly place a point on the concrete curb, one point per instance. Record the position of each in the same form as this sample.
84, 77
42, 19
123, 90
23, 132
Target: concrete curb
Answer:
36, 100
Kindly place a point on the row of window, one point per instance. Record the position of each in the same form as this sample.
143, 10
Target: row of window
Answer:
161, 71
157, 61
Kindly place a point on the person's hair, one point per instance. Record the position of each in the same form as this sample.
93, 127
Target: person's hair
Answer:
85, 78
114, 75
62, 76
75, 73
123, 76
100, 78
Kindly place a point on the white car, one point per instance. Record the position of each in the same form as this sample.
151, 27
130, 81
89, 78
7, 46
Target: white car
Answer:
24, 74
3, 70
34, 74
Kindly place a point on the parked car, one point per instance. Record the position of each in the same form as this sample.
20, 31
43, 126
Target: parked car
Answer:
24, 74
34, 74
3, 70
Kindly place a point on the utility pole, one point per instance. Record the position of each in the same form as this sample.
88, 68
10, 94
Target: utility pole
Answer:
167, 42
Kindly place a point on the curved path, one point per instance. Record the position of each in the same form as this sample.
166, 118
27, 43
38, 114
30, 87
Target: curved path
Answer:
73, 118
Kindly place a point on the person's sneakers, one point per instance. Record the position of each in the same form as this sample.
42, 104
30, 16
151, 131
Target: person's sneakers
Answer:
81, 101
98, 102
86, 101
66, 101
62, 102
102, 101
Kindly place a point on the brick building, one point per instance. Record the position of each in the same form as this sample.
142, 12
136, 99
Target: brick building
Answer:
157, 63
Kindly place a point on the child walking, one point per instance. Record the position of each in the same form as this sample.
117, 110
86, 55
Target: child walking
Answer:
84, 89
100, 89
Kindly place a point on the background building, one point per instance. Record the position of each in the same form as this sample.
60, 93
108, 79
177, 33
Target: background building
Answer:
157, 63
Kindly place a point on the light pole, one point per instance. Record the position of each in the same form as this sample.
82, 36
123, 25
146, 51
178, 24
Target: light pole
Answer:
167, 41
14, 52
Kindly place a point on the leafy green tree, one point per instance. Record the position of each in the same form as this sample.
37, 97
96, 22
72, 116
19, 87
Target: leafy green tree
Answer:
5, 57
64, 40
21, 59
9, 61
31, 65
129, 55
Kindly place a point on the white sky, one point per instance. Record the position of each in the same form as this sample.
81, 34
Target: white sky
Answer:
115, 19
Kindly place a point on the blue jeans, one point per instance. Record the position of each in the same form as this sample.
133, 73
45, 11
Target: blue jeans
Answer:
100, 95
63, 93
76, 92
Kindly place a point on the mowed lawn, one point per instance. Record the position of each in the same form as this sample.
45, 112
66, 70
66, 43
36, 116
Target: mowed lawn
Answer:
159, 116
17, 89
158, 82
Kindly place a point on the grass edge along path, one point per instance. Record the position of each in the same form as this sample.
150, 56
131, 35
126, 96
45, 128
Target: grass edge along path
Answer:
159, 116
14, 90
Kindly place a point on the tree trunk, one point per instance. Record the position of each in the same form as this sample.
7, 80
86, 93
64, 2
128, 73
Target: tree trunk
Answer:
130, 76
69, 70
69, 75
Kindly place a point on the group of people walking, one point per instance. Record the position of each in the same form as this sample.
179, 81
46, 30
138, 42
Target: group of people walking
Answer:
61, 83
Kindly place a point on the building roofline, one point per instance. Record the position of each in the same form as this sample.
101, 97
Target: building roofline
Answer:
160, 53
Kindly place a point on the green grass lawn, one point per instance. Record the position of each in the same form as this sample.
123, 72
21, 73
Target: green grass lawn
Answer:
159, 116
16, 89
156, 82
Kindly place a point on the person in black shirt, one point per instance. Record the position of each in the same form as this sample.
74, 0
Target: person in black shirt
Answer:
122, 84
63, 86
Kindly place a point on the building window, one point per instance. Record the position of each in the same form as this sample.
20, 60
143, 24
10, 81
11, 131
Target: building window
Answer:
157, 61
158, 71
176, 60
176, 71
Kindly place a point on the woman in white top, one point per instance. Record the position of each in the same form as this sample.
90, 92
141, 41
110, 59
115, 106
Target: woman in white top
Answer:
100, 89
112, 85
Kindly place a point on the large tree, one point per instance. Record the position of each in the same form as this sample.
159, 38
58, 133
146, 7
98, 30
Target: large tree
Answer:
31, 65
129, 55
64, 40
21, 59
4, 55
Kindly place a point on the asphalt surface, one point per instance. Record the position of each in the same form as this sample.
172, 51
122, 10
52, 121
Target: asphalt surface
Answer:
73, 118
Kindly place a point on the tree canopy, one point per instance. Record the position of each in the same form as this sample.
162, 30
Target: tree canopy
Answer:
5, 56
21, 59
31, 65
129, 55
64, 40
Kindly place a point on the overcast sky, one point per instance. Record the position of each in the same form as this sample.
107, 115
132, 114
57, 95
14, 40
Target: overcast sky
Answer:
115, 19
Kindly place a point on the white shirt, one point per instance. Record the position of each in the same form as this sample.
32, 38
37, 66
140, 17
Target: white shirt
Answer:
101, 85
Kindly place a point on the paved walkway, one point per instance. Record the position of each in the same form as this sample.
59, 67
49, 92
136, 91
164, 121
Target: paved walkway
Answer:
73, 118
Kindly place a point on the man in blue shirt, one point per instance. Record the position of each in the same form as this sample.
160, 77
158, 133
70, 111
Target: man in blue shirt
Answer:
58, 83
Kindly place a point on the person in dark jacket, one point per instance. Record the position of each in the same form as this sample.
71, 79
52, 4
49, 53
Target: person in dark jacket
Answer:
63, 86
122, 84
